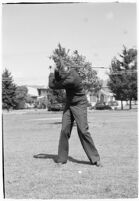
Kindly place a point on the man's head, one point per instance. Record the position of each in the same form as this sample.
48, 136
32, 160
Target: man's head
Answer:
65, 69
62, 66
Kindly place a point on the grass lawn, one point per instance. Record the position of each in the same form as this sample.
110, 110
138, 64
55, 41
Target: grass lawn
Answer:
37, 132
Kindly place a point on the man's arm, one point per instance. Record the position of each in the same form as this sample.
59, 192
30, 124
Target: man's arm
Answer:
62, 83
53, 83
57, 75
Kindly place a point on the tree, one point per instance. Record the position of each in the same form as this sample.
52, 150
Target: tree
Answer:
89, 76
21, 96
116, 81
78, 62
123, 76
129, 64
56, 96
8, 91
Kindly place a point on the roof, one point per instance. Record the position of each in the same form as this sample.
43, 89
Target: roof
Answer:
107, 93
32, 91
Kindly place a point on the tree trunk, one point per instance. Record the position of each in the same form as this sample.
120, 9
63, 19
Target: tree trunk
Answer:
130, 104
121, 105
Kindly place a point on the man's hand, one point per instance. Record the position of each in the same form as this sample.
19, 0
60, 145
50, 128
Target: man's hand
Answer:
57, 75
52, 69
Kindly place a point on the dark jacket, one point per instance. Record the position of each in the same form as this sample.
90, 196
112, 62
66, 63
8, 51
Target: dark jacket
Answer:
71, 82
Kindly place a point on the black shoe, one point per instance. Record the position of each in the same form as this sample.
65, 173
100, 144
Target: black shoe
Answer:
60, 162
98, 164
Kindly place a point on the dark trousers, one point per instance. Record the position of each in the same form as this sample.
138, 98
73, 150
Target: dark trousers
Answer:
79, 114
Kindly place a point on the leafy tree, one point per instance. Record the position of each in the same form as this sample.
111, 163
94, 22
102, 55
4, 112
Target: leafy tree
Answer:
21, 96
78, 62
8, 91
56, 96
59, 54
123, 76
129, 64
89, 76
117, 82
41, 103
29, 99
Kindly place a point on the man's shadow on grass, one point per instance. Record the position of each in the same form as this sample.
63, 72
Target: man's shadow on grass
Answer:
54, 158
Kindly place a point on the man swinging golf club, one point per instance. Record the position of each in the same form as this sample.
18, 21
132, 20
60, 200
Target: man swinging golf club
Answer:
75, 109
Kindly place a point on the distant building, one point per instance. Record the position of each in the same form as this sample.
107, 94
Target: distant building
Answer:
104, 95
32, 92
42, 92
37, 91
38, 95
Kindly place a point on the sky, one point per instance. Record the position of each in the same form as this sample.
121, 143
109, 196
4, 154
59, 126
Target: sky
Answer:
31, 32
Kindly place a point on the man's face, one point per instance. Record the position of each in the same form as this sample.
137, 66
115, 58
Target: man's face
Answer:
64, 69
58, 65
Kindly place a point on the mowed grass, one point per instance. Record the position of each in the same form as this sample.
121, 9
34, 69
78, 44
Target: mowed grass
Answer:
31, 133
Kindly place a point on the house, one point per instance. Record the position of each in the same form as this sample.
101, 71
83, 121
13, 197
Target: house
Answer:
32, 92
42, 97
38, 95
42, 91
36, 92
104, 95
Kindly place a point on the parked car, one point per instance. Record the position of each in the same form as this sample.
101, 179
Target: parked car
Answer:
29, 105
113, 104
102, 106
90, 107
55, 107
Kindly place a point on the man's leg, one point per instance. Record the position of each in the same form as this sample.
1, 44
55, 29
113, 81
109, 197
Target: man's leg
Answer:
67, 124
80, 114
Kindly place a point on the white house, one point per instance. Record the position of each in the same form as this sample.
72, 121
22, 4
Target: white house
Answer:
33, 92
104, 95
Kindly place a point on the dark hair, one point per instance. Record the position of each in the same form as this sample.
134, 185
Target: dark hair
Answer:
62, 65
